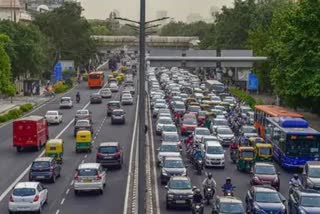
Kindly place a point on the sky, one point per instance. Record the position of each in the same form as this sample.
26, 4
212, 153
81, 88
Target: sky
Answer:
177, 9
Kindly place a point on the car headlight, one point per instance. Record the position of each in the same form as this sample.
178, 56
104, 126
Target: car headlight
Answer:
164, 173
170, 195
184, 173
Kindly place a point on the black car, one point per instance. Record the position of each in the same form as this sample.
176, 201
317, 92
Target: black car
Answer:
172, 166
112, 105
95, 98
228, 204
304, 202
110, 154
83, 125
44, 168
118, 116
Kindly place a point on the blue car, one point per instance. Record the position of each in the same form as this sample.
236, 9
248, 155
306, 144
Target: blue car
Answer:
265, 199
304, 202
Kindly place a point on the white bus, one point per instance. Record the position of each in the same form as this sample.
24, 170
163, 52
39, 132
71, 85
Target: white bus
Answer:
215, 85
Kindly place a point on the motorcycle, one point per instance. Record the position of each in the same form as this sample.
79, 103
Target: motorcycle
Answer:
197, 208
78, 99
199, 166
228, 192
209, 192
233, 155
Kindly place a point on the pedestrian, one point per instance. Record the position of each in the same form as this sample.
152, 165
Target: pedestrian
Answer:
38, 89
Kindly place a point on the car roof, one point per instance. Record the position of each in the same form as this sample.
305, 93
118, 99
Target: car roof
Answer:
88, 121
263, 164
314, 163
171, 133
168, 143
27, 184
118, 109
82, 110
65, 97
52, 111
229, 199
264, 189
173, 158
167, 118
201, 128
109, 144
43, 159
89, 165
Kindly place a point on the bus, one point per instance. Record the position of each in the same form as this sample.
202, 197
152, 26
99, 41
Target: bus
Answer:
294, 142
95, 79
264, 111
215, 85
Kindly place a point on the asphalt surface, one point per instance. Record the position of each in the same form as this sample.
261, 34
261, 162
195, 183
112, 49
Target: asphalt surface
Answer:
61, 196
240, 179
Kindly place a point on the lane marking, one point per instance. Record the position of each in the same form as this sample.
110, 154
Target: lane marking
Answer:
67, 192
62, 201
58, 211
126, 199
85, 156
72, 182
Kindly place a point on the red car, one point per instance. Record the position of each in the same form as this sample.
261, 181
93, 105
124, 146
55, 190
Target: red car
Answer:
265, 174
188, 125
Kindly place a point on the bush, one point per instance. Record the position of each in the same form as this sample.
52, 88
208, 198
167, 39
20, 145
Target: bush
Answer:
69, 83
60, 87
3, 118
14, 113
26, 107
243, 96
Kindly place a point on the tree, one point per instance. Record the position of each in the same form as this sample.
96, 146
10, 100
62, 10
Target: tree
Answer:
6, 86
101, 30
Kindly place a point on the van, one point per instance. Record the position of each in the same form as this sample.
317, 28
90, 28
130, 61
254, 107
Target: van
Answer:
214, 154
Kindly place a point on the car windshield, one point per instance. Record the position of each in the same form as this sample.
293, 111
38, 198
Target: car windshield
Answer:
194, 108
249, 130
165, 121
202, 132
180, 184
41, 164
179, 105
160, 105
224, 131
190, 122
24, 192
221, 123
106, 90
65, 99
265, 170
108, 149
202, 114
310, 201
95, 95
87, 172
169, 148
169, 128
82, 113
114, 104
171, 138
231, 208
214, 150
215, 98
173, 164
52, 113
117, 113
268, 197
314, 172
82, 123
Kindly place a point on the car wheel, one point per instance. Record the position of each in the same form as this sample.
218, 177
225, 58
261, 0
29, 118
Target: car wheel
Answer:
76, 192
101, 191
19, 149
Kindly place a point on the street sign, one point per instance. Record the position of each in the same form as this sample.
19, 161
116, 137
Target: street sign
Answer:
57, 72
253, 82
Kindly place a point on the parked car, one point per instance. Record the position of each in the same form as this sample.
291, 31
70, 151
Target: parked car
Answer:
110, 154
53, 117
66, 102
106, 93
82, 125
304, 202
228, 204
89, 177
111, 106
265, 174
172, 166
28, 196
44, 168
118, 116
311, 175
95, 98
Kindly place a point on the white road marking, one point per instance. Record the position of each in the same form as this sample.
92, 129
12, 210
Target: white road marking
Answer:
85, 156
67, 192
58, 211
62, 201
126, 199
72, 182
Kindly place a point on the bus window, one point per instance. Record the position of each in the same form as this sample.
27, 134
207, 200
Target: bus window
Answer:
301, 146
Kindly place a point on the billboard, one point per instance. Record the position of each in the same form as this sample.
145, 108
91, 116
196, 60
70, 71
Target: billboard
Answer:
253, 82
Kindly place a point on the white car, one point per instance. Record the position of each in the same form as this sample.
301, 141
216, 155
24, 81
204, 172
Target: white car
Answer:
214, 154
200, 132
66, 102
89, 177
28, 196
162, 121
168, 149
126, 99
225, 135
169, 128
114, 87
53, 117
106, 93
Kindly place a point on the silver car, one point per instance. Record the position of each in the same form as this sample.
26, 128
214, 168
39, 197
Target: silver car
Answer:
167, 149
126, 99
225, 136
66, 102
157, 107
106, 93
162, 121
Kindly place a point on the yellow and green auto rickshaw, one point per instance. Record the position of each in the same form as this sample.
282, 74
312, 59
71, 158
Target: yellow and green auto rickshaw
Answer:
245, 158
115, 74
252, 141
205, 107
207, 98
264, 152
190, 100
54, 149
120, 78
83, 141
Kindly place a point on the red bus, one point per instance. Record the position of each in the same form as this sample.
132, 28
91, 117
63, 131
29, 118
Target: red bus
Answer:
31, 131
263, 111
95, 79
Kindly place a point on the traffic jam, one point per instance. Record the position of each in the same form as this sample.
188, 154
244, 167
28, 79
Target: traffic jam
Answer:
31, 133
216, 154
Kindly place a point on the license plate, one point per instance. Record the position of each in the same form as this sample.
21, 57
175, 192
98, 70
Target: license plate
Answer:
41, 176
180, 201
108, 157
87, 180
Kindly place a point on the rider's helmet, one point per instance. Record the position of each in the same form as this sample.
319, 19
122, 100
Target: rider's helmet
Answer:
228, 180
197, 191
209, 175
296, 176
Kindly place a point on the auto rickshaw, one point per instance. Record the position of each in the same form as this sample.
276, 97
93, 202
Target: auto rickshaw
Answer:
190, 100
264, 152
205, 107
54, 149
120, 78
252, 141
115, 74
245, 158
206, 98
83, 141
124, 69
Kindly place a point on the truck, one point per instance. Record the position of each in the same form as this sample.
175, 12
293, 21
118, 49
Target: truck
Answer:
30, 132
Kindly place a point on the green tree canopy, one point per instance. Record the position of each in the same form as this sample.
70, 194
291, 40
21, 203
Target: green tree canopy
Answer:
6, 87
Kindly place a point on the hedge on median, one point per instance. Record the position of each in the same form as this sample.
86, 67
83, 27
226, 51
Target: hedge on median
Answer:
243, 96
61, 86
15, 113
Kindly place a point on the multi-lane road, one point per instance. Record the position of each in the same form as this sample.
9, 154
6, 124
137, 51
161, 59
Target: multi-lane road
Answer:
14, 166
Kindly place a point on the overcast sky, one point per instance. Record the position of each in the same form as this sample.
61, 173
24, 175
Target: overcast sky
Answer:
177, 9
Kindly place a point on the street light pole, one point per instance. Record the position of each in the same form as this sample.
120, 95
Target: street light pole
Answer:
141, 106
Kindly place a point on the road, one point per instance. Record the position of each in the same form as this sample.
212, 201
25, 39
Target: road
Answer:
239, 179
61, 196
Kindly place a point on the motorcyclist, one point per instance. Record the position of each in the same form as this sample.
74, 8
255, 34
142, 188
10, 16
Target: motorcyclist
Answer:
78, 96
295, 181
208, 182
228, 185
198, 154
197, 197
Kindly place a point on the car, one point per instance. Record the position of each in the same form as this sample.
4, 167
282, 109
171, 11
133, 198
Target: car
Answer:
65, 102
172, 138
228, 204
130, 88
83, 114
111, 106
163, 114
106, 93
53, 117
188, 126
171, 166
110, 154
157, 100
114, 87
44, 168
89, 177
265, 174
28, 196
225, 135
304, 202
162, 121
126, 99
118, 116
95, 98
200, 132
157, 107
249, 131
169, 128
179, 192
264, 199
311, 175
82, 125
214, 154
167, 149
178, 106
194, 109
208, 138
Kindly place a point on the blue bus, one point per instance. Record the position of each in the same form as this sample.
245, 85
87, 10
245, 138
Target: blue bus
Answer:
294, 142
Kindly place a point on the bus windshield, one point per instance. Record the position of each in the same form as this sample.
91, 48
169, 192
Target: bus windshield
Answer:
94, 76
302, 146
